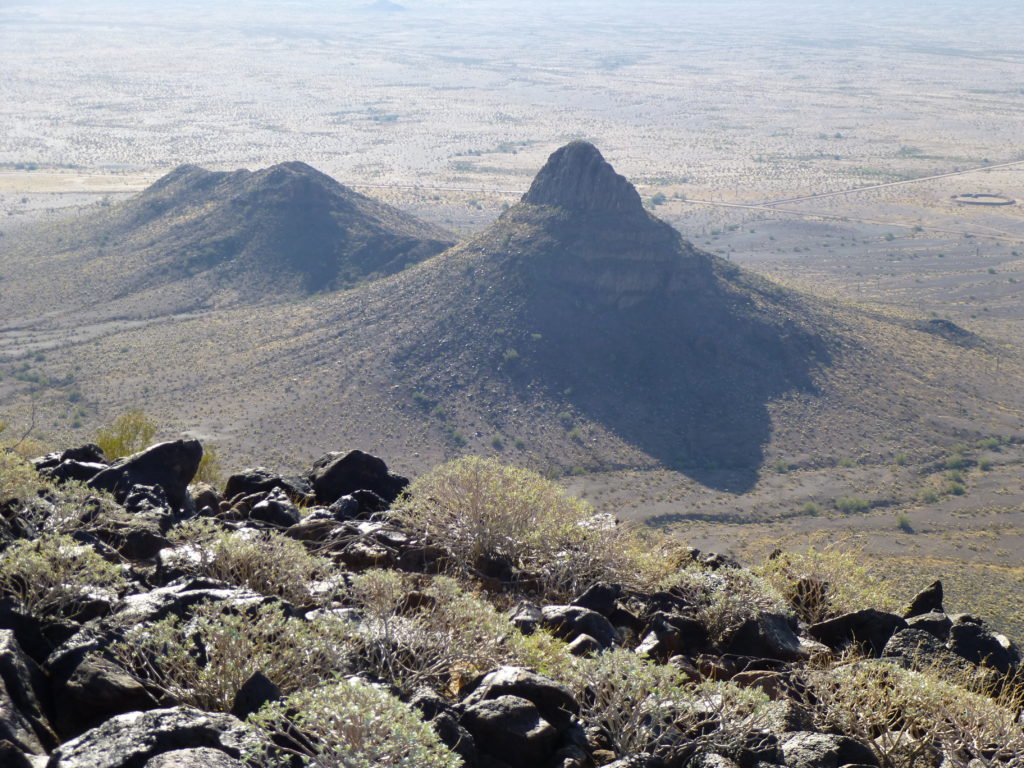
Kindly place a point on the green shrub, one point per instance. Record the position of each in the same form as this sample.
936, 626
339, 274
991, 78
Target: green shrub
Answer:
850, 504
267, 562
413, 633
51, 575
481, 510
203, 661
723, 599
953, 488
638, 706
131, 432
209, 470
903, 523
822, 582
811, 508
903, 714
19, 480
928, 496
351, 724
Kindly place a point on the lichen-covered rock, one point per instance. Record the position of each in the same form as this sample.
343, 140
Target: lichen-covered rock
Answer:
130, 740
553, 700
824, 750
511, 729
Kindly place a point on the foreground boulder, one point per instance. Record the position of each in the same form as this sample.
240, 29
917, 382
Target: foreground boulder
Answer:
23, 699
824, 750
130, 740
335, 475
511, 729
169, 465
200, 757
553, 700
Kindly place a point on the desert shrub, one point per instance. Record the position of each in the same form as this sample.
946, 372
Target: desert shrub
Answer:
18, 479
483, 511
822, 582
904, 715
130, 432
638, 706
267, 562
851, 504
204, 660
50, 576
210, 470
413, 633
351, 724
723, 599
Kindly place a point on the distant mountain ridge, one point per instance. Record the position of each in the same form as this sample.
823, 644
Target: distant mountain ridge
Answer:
199, 238
578, 333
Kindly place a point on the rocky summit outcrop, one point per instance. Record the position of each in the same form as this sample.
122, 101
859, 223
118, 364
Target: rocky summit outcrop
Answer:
250, 614
577, 178
582, 226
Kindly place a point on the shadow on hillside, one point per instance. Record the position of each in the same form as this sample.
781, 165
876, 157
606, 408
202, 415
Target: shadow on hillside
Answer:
686, 382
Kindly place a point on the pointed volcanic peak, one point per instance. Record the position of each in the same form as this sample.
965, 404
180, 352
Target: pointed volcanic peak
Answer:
198, 238
578, 179
581, 227
579, 302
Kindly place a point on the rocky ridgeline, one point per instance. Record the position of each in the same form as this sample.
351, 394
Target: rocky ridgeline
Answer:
66, 703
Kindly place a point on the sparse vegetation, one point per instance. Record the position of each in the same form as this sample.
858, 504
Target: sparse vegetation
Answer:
53, 576
413, 633
267, 562
852, 504
351, 723
482, 512
130, 432
825, 581
236, 640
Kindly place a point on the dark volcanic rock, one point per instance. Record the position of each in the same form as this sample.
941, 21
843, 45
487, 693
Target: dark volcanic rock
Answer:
23, 700
823, 750
254, 693
276, 509
870, 629
937, 624
553, 700
179, 599
262, 480
96, 690
767, 635
81, 471
979, 645
669, 634
578, 178
928, 600
170, 465
335, 475
570, 621
511, 729
12, 757
88, 453
129, 740
600, 598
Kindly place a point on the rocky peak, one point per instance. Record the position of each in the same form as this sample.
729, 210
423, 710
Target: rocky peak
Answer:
577, 178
